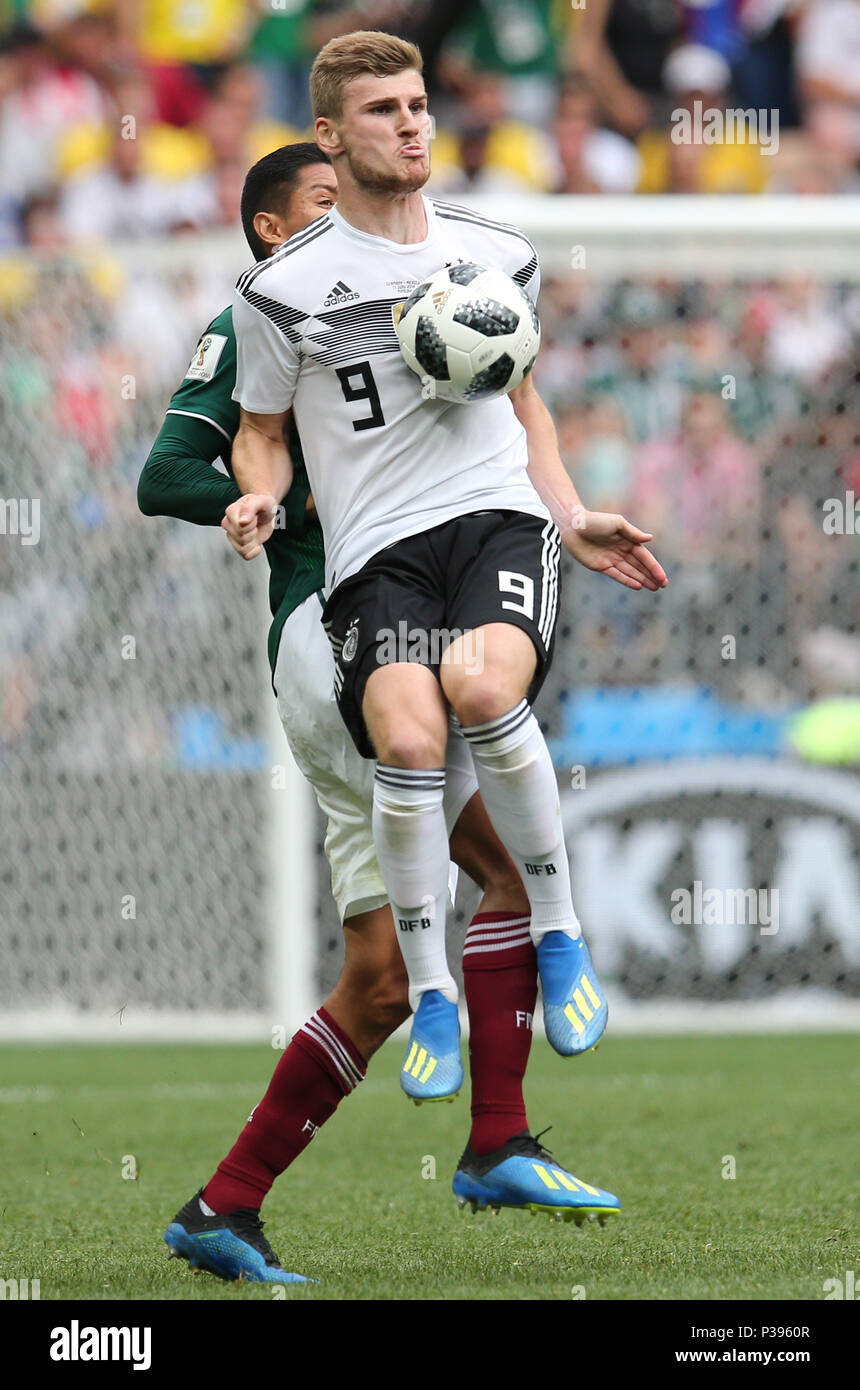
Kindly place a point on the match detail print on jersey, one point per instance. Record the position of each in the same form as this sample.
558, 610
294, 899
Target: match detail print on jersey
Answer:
206, 354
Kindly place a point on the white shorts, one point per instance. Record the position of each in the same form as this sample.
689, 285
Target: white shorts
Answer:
340, 777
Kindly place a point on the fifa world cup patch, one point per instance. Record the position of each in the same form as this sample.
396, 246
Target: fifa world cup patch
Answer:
350, 642
206, 354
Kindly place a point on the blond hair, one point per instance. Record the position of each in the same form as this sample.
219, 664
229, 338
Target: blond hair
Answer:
355, 55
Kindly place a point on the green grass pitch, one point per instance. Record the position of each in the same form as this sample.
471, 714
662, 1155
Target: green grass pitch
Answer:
653, 1120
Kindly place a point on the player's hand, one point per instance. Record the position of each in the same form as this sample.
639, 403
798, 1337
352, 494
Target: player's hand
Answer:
249, 522
607, 542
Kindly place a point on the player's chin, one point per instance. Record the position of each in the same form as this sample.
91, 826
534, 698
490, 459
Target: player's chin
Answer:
415, 170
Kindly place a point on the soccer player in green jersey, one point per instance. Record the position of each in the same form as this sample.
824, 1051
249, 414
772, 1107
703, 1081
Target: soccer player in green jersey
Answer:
219, 1229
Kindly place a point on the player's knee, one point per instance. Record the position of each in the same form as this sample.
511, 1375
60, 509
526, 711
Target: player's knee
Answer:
410, 747
478, 700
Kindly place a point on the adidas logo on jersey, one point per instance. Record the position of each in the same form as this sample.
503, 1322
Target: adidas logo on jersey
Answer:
339, 294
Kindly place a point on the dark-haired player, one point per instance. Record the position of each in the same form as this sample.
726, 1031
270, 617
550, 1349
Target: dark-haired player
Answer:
220, 1229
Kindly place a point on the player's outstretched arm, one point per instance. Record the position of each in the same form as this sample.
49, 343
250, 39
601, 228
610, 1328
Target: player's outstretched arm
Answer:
178, 478
264, 471
602, 541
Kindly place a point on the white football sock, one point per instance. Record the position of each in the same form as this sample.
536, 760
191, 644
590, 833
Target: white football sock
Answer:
519, 788
412, 848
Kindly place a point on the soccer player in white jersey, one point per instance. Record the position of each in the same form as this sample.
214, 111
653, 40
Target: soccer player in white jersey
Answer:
439, 516
219, 1228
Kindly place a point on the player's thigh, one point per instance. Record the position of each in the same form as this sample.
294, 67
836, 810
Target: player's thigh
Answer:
343, 780
507, 669
504, 598
324, 752
406, 715
381, 623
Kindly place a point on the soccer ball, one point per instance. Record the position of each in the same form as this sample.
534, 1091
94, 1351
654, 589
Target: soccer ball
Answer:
469, 332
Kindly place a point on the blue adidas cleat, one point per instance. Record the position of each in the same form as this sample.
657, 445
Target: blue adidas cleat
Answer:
231, 1246
575, 1010
523, 1174
433, 1069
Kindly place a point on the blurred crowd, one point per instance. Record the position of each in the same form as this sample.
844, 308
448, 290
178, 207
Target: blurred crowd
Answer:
719, 414
128, 118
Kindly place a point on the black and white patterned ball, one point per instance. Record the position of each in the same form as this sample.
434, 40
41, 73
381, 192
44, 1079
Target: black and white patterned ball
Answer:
469, 333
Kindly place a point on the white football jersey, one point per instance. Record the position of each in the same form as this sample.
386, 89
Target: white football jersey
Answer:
315, 330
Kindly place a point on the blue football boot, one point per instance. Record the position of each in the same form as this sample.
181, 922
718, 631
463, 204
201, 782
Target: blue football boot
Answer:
433, 1069
575, 1010
231, 1246
522, 1173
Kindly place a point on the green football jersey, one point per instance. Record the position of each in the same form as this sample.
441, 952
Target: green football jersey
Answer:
179, 479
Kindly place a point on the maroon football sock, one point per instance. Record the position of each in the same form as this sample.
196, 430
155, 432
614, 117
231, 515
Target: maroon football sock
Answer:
320, 1067
500, 975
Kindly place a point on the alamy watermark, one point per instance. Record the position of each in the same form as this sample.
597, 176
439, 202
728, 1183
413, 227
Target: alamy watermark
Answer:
77, 1343
712, 125
841, 515
427, 646
19, 1289
720, 907
842, 1288
21, 516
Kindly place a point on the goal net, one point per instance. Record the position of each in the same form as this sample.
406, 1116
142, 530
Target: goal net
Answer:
161, 870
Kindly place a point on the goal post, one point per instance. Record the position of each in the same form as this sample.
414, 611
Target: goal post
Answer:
688, 236
293, 885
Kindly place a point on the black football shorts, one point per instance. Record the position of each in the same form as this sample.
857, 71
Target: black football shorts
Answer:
413, 598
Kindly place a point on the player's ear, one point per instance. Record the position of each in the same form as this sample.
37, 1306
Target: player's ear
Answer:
270, 228
327, 136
